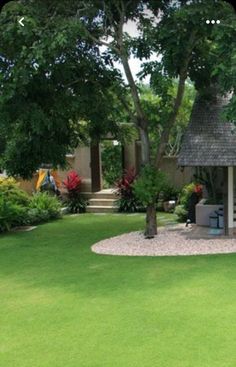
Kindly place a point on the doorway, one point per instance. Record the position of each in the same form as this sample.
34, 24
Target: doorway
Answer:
112, 162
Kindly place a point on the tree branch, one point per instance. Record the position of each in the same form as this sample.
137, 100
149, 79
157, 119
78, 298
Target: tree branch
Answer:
178, 100
127, 108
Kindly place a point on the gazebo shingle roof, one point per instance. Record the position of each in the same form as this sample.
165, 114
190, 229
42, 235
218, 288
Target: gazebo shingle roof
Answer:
209, 141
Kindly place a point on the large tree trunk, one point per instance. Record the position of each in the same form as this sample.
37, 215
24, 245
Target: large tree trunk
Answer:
151, 221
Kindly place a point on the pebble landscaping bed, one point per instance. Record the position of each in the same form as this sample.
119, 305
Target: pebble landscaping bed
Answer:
170, 241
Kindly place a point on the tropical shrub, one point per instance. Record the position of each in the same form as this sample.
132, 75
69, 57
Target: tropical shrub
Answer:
182, 210
13, 204
127, 201
169, 192
181, 213
11, 214
36, 216
17, 208
10, 190
186, 194
208, 176
149, 185
74, 200
43, 207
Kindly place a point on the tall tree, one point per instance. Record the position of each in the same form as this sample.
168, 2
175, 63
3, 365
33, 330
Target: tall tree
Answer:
177, 32
51, 83
55, 74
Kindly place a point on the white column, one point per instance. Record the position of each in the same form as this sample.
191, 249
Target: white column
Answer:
230, 199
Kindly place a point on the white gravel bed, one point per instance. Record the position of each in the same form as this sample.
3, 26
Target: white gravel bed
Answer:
169, 242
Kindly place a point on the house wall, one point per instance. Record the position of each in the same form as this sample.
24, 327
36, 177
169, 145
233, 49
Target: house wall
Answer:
81, 161
178, 177
28, 185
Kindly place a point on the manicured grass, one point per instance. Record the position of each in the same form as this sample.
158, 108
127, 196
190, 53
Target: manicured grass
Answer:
63, 306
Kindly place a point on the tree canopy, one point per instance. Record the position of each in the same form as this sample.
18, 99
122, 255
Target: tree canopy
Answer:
59, 83
51, 82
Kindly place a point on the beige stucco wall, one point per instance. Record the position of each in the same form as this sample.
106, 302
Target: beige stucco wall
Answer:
80, 162
132, 155
28, 185
177, 176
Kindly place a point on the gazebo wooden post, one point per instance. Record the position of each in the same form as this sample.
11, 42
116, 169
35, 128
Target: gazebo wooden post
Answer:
230, 200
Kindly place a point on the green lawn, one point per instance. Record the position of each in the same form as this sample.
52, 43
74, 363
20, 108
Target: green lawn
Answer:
63, 306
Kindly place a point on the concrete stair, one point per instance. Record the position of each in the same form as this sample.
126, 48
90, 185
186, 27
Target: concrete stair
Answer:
101, 202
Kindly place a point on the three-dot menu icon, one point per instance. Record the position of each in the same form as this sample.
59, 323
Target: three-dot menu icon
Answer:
208, 21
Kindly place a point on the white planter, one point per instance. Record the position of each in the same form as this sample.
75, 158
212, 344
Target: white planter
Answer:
203, 212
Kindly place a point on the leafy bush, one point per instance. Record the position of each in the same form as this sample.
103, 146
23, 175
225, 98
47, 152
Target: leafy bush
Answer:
169, 192
186, 194
181, 213
11, 214
13, 204
43, 207
149, 185
10, 190
17, 208
73, 185
127, 201
182, 210
36, 216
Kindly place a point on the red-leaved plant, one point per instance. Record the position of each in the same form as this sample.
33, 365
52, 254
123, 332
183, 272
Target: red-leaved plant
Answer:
73, 185
124, 184
73, 182
127, 201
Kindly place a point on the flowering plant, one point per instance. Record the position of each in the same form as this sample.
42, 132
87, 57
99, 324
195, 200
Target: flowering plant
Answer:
127, 201
198, 189
73, 182
73, 185
124, 184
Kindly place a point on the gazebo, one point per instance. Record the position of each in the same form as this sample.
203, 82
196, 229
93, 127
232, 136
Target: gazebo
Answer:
210, 141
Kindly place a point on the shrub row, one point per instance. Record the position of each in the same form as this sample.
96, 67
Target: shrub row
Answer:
17, 208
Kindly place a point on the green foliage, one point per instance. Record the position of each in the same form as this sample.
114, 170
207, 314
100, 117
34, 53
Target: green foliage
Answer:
130, 205
11, 192
74, 201
47, 82
44, 207
149, 185
154, 99
182, 210
127, 202
209, 176
77, 204
111, 163
181, 213
169, 192
13, 203
11, 214
17, 208
186, 194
